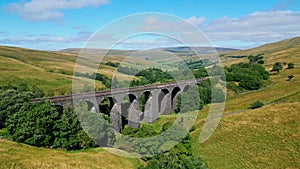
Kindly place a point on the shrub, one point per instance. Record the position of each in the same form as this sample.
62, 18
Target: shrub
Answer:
250, 83
250, 75
290, 77
10, 102
33, 124
131, 132
277, 67
256, 59
256, 104
291, 65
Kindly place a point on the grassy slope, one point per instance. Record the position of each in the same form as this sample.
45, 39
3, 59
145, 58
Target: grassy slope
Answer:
283, 51
18, 65
262, 138
16, 155
266, 137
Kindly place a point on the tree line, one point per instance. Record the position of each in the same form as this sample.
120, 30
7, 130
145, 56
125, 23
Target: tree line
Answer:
40, 124
249, 76
180, 156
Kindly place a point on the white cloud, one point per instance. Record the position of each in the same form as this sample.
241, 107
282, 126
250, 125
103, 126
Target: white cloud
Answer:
80, 37
196, 21
255, 27
41, 10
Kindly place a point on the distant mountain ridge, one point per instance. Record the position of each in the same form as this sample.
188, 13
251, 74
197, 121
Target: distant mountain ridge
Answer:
184, 49
202, 50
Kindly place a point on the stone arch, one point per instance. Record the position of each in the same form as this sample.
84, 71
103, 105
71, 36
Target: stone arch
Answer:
151, 109
164, 101
134, 110
125, 104
174, 97
115, 112
106, 104
144, 103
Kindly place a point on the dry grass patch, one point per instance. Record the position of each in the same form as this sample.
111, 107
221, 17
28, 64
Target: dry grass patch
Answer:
15, 155
262, 138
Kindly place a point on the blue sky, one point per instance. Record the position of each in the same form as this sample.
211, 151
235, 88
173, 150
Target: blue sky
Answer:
59, 24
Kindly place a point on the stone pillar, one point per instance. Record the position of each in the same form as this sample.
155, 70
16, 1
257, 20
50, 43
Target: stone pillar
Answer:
134, 113
166, 106
151, 107
175, 101
115, 114
98, 101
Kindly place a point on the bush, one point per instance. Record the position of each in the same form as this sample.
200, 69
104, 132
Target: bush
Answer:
131, 132
291, 65
290, 77
277, 67
256, 104
10, 102
66, 129
42, 124
256, 59
112, 64
33, 124
251, 83
250, 75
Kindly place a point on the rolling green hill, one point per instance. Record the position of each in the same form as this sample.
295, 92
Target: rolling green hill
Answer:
50, 71
282, 51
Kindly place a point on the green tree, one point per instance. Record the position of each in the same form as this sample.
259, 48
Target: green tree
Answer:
66, 130
277, 67
256, 104
98, 128
33, 124
193, 162
84, 140
256, 59
291, 65
290, 77
251, 83
250, 76
10, 102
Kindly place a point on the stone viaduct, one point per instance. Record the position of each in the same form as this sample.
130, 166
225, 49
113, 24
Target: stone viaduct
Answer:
159, 99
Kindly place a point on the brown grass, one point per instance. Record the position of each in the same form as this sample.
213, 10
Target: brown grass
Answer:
16, 155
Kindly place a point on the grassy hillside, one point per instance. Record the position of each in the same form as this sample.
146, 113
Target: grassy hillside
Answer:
283, 51
267, 137
16, 155
50, 71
